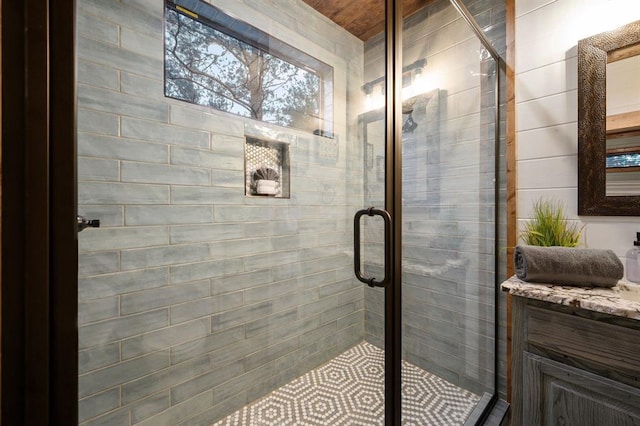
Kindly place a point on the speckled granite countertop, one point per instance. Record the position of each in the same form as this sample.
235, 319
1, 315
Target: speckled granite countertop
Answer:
623, 300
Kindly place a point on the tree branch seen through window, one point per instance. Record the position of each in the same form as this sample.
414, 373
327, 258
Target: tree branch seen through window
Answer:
208, 67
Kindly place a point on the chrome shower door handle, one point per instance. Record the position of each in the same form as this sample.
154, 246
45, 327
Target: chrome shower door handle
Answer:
388, 253
84, 223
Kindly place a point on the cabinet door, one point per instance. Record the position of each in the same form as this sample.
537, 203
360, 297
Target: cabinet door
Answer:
557, 394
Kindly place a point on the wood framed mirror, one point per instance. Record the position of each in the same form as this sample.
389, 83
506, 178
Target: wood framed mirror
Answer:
597, 125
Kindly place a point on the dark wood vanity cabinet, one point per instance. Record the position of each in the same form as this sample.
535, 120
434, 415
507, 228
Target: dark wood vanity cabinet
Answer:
573, 367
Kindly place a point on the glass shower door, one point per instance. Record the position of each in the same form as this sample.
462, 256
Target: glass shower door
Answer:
206, 290
449, 226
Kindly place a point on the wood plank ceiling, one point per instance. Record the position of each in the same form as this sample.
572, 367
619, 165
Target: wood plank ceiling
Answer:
362, 18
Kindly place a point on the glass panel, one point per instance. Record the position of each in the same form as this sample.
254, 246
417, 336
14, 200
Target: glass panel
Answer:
202, 293
448, 243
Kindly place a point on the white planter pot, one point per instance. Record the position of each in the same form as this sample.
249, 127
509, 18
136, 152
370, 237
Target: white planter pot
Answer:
267, 187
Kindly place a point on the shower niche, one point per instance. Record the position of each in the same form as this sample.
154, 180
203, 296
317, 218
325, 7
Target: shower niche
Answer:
267, 168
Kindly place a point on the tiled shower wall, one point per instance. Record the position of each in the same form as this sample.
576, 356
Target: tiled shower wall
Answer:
194, 299
448, 201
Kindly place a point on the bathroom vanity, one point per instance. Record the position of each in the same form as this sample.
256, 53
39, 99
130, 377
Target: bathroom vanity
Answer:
575, 354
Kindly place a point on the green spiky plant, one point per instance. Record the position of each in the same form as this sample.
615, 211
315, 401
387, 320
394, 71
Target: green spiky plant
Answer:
548, 227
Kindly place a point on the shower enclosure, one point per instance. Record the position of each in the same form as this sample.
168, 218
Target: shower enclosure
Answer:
206, 296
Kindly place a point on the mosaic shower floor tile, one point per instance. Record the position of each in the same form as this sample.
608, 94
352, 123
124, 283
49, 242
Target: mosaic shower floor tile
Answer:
348, 391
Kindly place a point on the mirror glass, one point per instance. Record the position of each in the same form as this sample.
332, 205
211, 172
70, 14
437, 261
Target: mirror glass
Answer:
623, 122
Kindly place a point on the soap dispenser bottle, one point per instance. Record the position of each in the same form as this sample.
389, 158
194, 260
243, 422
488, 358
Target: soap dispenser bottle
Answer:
633, 261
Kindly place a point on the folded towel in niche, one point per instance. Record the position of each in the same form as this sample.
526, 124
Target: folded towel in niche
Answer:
568, 266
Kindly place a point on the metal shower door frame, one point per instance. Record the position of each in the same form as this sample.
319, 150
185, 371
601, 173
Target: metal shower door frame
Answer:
393, 205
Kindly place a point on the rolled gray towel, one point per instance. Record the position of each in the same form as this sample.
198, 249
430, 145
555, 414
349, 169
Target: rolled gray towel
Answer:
568, 266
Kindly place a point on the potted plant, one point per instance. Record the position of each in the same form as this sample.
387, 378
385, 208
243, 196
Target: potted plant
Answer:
549, 227
266, 181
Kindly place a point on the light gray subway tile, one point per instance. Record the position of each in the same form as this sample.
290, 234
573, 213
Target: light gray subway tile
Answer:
123, 372
115, 284
244, 247
149, 7
208, 196
239, 350
265, 324
164, 174
150, 406
155, 340
143, 44
315, 266
269, 291
206, 306
164, 379
336, 313
216, 122
241, 382
114, 418
319, 333
98, 146
98, 263
239, 213
228, 178
234, 145
182, 411
333, 288
317, 252
98, 169
95, 28
302, 299
137, 85
240, 281
121, 193
102, 239
205, 270
121, 103
98, 357
265, 355
98, 404
238, 316
123, 59
218, 411
161, 256
287, 242
155, 132
276, 227
100, 333
167, 215
210, 159
97, 310
226, 338
318, 306
314, 225
147, 21
164, 296
274, 260
316, 280
98, 75
206, 381
280, 378
98, 122
199, 233
354, 318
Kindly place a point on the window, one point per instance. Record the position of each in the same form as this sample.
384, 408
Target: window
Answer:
215, 60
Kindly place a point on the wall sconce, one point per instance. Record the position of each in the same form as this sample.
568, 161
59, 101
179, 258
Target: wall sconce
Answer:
412, 76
